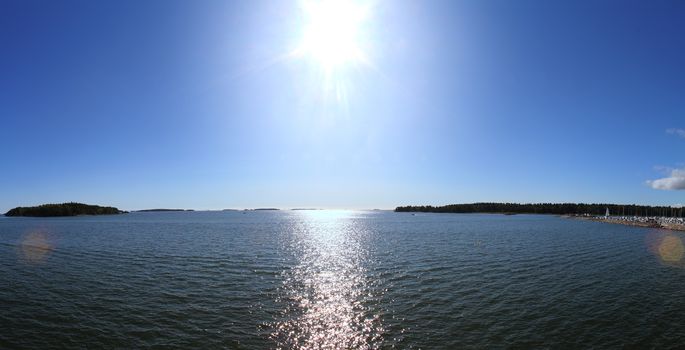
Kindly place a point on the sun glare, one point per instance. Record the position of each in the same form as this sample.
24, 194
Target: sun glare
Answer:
332, 32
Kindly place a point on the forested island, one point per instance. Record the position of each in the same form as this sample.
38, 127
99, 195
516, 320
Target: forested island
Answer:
63, 209
550, 208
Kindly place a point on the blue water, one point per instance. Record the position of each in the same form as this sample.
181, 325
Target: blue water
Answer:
337, 280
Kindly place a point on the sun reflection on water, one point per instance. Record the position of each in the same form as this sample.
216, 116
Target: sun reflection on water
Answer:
327, 292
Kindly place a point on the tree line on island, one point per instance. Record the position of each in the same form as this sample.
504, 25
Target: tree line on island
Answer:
63, 209
549, 208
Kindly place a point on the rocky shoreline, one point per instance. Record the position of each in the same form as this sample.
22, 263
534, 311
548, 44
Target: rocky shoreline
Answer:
667, 223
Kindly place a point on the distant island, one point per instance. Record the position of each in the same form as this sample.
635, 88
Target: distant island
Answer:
148, 210
550, 208
266, 209
63, 209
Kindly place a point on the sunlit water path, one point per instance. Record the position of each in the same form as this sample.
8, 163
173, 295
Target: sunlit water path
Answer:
330, 299
337, 280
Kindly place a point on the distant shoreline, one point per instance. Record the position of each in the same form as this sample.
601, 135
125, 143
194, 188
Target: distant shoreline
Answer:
666, 223
155, 210
662, 217
592, 209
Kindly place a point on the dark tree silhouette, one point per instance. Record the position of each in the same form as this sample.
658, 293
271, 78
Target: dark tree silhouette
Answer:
549, 208
64, 209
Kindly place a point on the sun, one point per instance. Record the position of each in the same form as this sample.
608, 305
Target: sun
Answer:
332, 32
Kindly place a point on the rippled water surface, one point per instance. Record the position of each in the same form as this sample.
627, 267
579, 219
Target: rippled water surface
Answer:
337, 280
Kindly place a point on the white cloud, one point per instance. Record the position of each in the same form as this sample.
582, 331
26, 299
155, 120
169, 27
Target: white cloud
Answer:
674, 182
674, 131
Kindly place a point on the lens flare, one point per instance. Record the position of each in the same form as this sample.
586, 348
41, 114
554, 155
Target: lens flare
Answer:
667, 246
35, 247
671, 249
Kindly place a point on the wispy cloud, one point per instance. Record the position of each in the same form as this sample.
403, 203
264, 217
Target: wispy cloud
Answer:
674, 131
674, 182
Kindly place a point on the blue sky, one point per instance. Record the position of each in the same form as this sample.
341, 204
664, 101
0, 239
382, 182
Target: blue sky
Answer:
202, 104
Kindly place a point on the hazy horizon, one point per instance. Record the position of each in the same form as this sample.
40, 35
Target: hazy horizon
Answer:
314, 208
341, 104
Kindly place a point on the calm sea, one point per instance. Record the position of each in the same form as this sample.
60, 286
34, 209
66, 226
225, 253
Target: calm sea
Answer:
337, 280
